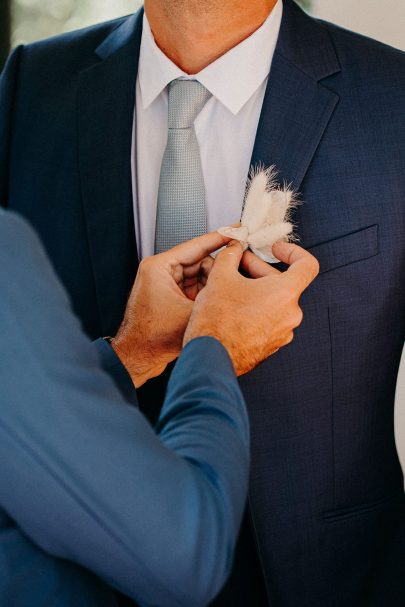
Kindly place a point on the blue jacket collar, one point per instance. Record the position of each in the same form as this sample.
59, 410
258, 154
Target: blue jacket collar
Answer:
126, 33
305, 42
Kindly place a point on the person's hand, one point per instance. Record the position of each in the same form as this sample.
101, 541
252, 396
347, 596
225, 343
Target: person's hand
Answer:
252, 318
160, 304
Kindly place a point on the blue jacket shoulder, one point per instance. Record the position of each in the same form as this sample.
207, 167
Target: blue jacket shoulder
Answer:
363, 55
71, 50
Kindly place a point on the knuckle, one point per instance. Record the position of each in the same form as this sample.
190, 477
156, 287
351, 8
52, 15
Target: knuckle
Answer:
297, 317
145, 264
289, 338
207, 263
290, 293
315, 267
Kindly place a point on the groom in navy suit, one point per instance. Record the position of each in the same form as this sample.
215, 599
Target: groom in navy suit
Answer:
325, 526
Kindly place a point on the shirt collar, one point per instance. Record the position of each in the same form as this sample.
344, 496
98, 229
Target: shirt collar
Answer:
232, 79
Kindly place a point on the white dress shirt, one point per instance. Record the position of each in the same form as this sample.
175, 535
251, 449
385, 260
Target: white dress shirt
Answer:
225, 128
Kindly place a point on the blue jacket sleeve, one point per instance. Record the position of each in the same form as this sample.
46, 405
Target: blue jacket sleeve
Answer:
110, 362
82, 472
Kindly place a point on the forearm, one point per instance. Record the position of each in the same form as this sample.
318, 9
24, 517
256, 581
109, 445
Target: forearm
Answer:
100, 485
111, 364
204, 420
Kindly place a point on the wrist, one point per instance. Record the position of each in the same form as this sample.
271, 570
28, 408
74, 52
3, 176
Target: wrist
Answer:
130, 356
194, 332
212, 329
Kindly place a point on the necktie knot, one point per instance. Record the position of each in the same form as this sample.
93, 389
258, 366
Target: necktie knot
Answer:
186, 100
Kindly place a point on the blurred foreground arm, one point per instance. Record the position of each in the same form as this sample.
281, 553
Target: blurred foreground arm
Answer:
81, 471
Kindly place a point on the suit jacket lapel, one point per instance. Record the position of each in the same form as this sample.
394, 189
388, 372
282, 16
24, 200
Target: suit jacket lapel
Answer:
296, 107
296, 111
106, 101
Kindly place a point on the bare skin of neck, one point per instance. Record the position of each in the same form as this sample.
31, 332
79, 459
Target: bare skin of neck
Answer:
194, 33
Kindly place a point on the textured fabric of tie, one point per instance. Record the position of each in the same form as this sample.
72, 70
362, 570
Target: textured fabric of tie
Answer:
181, 210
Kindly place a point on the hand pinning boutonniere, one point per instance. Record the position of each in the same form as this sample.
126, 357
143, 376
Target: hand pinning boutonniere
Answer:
266, 216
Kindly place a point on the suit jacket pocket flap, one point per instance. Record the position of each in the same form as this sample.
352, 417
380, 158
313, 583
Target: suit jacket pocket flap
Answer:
347, 249
342, 514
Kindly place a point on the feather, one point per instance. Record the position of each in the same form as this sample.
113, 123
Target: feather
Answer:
270, 234
257, 199
267, 213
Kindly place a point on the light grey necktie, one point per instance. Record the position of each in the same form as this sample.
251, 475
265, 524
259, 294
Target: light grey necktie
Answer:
181, 211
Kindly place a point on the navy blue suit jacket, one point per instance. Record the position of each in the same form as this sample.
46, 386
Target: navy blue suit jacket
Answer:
326, 495
83, 475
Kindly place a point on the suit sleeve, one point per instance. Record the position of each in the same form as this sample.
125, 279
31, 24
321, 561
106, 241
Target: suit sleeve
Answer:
83, 473
8, 82
110, 362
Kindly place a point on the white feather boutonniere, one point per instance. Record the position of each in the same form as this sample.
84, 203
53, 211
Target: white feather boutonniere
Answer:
266, 216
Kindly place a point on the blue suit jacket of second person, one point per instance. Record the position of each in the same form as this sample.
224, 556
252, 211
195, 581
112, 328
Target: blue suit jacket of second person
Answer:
326, 494
87, 488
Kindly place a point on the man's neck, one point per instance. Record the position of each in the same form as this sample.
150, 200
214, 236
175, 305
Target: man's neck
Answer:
194, 33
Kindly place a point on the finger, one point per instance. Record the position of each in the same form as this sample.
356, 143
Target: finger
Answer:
192, 251
256, 267
304, 267
194, 278
200, 268
199, 274
228, 259
205, 269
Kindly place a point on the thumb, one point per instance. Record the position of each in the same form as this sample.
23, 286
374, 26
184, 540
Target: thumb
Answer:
228, 259
304, 267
